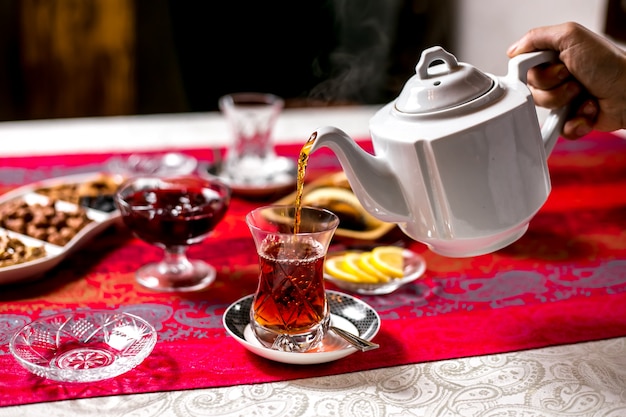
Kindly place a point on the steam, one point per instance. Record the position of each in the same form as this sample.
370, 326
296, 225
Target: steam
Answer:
358, 66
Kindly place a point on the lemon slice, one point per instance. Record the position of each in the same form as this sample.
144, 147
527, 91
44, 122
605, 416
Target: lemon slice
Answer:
389, 260
365, 263
333, 266
350, 263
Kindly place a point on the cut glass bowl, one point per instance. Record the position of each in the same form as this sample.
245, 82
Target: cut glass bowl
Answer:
83, 346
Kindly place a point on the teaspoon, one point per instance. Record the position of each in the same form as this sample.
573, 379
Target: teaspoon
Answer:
356, 341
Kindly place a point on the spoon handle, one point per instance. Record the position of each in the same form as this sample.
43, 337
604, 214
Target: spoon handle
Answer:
356, 341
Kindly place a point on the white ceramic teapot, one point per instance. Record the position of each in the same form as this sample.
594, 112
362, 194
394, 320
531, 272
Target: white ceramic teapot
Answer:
460, 161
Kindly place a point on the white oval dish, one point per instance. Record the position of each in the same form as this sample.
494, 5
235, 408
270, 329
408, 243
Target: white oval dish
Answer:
31, 270
347, 312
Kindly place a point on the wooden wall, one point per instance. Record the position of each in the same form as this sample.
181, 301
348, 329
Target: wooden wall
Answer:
76, 57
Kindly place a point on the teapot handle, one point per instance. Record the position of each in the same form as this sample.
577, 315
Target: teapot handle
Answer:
518, 68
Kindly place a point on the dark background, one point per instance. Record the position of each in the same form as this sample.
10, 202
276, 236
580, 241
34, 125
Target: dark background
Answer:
77, 58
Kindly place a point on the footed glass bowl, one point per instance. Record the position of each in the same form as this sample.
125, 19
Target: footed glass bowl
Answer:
83, 346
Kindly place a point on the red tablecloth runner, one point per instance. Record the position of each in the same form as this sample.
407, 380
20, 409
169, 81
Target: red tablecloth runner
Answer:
563, 282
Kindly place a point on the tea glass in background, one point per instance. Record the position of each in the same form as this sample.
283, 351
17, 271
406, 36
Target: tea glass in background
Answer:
173, 213
251, 158
290, 311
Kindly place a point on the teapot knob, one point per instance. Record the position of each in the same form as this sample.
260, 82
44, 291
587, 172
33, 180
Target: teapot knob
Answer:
434, 54
441, 83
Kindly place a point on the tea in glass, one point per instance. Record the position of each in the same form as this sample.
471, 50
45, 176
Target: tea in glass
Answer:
290, 311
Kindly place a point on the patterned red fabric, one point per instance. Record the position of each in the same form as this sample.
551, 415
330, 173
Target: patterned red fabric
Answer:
563, 282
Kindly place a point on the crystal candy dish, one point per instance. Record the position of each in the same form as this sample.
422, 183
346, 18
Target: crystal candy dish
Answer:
83, 346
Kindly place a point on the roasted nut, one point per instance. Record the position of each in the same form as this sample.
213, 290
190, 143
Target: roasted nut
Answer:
13, 251
72, 193
43, 221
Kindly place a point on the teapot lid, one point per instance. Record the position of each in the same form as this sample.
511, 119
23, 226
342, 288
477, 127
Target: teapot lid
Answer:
443, 85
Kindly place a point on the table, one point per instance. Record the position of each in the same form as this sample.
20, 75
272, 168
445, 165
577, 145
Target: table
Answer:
587, 378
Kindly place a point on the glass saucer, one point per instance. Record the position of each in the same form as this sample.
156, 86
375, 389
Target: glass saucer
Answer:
281, 178
347, 312
169, 164
414, 267
83, 346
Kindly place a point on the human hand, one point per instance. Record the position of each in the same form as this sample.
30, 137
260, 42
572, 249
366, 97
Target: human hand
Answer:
590, 77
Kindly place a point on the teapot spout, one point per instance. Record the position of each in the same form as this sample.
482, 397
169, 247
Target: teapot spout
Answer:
370, 177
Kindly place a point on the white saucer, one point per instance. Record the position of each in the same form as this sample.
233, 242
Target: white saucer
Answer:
347, 312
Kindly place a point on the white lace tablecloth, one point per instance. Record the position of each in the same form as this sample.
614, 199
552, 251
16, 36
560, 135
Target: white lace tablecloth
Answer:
586, 379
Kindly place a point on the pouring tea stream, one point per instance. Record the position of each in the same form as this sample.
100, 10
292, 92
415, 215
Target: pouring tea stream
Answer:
460, 161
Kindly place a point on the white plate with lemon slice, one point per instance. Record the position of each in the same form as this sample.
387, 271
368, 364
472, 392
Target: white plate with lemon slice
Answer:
382, 270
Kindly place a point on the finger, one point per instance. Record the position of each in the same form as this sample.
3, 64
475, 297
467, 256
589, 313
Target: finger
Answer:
549, 76
589, 109
582, 116
558, 96
554, 38
576, 128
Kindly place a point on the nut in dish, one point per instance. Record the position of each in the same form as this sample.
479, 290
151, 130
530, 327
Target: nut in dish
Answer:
13, 251
48, 226
95, 193
43, 221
